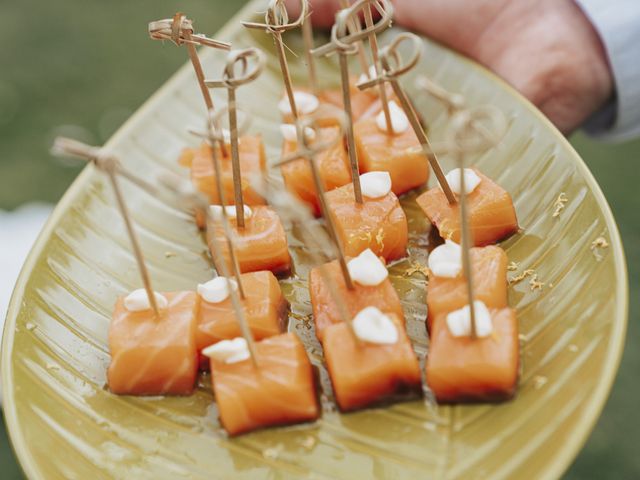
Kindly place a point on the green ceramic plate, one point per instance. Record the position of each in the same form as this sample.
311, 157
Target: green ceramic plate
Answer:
65, 424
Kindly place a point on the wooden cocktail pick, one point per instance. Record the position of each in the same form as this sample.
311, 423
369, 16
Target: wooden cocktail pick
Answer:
309, 151
307, 36
373, 45
344, 43
319, 245
276, 22
188, 194
393, 67
110, 166
251, 63
354, 27
179, 30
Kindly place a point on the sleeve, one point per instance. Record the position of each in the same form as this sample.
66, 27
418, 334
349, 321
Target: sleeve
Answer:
618, 24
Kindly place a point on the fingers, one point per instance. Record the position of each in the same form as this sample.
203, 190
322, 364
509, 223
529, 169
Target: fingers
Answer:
323, 12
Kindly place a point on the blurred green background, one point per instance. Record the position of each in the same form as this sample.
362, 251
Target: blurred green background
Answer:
82, 67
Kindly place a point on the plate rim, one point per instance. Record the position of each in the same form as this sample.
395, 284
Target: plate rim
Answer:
565, 455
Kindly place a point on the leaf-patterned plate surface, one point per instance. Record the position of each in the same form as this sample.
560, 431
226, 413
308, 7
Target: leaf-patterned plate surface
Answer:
65, 424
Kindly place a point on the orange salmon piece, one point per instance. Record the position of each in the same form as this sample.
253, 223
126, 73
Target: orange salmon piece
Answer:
489, 267
483, 369
492, 216
326, 311
281, 392
379, 151
332, 163
378, 223
260, 245
154, 356
363, 374
252, 162
361, 101
264, 305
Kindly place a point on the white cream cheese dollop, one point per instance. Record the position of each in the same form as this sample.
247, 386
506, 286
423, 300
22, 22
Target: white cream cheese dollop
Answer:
446, 260
217, 290
216, 211
399, 120
228, 351
471, 180
372, 74
138, 301
459, 321
306, 103
375, 184
367, 269
373, 326
290, 135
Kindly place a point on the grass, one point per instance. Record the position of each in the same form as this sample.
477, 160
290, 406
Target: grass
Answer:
82, 68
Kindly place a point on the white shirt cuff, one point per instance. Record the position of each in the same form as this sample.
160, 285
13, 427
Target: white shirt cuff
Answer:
618, 23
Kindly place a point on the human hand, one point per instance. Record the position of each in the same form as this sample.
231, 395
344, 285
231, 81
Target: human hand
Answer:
546, 49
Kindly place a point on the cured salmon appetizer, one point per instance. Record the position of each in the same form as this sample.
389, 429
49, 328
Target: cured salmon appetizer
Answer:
265, 309
333, 165
260, 245
474, 369
492, 216
252, 162
379, 151
325, 112
489, 267
154, 356
378, 223
281, 391
325, 311
364, 373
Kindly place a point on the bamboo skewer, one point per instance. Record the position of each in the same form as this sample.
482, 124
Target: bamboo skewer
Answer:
109, 165
276, 22
466, 244
389, 55
373, 45
188, 193
309, 152
354, 27
307, 36
251, 62
345, 43
179, 30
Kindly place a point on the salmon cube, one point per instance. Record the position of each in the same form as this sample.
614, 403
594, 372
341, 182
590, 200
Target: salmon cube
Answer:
482, 369
252, 163
260, 245
326, 114
326, 312
378, 223
154, 356
489, 268
365, 373
361, 101
281, 391
379, 151
492, 216
333, 165
264, 305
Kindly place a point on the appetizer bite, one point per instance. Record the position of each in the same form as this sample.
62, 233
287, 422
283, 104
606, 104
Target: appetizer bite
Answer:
264, 306
258, 232
278, 389
485, 368
372, 362
447, 286
370, 287
153, 354
492, 216
378, 223
252, 159
333, 165
394, 150
261, 244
